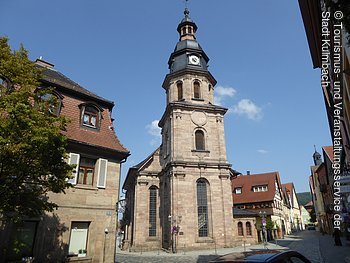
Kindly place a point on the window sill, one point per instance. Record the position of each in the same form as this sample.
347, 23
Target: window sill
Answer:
204, 240
90, 127
85, 187
197, 99
76, 258
150, 239
201, 151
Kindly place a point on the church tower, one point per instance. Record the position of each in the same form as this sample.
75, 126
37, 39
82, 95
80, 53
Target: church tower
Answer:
195, 189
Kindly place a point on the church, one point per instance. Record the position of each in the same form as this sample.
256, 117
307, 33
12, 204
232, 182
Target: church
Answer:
180, 196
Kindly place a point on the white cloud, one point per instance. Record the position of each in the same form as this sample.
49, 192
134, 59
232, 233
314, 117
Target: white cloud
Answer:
262, 151
223, 92
247, 108
154, 130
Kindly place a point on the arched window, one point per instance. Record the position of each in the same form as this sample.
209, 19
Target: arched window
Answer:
52, 103
179, 91
196, 90
199, 140
240, 228
152, 231
202, 208
190, 30
248, 228
90, 116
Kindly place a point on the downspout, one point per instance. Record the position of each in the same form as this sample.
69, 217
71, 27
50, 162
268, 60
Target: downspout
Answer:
117, 217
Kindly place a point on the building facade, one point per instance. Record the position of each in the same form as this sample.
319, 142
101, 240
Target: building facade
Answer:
295, 214
334, 62
83, 228
180, 196
261, 193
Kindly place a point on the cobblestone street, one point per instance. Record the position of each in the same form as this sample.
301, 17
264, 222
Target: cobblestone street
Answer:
317, 248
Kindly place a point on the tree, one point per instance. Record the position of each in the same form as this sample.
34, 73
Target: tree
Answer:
313, 215
32, 145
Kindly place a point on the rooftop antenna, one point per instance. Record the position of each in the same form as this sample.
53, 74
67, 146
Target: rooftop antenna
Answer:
315, 147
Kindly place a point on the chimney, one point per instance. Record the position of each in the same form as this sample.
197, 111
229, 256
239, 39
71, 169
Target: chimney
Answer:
43, 63
248, 172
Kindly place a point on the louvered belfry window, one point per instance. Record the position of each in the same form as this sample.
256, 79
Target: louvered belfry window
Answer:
196, 90
199, 140
179, 91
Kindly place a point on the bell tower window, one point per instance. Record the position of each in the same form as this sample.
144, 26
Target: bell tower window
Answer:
199, 140
196, 90
179, 91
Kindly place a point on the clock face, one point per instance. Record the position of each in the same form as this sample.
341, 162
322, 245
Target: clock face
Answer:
194, 60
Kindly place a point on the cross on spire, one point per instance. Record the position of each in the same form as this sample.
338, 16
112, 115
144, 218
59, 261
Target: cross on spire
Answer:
186, 3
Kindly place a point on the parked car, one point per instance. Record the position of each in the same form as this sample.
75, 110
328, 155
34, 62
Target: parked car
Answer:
266, 255
311, 227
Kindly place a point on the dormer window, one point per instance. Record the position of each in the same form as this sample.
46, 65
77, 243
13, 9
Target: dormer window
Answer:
91, 116
260, 188
52, 103
238, 190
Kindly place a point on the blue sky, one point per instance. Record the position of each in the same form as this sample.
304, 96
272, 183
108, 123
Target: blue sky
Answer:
258, 54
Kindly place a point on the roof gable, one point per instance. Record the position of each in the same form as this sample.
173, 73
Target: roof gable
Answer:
247, 182
328, 151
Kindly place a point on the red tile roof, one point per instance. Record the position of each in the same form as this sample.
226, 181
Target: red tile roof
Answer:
289, 187
329, 151
73, 96
104, 137
247, 182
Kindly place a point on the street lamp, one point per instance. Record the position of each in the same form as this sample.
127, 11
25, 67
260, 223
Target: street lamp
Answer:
263, 220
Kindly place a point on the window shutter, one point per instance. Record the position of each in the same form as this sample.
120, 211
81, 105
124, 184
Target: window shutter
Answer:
74, 158
102, 173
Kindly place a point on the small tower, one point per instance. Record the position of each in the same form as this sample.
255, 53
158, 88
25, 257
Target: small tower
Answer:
317, 157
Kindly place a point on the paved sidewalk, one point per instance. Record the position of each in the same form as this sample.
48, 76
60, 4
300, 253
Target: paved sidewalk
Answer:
317, 248
196, 256
334, 254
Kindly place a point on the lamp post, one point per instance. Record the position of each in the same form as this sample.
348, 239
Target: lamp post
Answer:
263, 220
